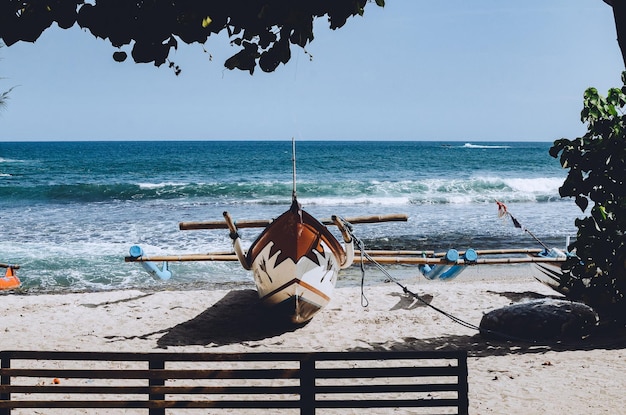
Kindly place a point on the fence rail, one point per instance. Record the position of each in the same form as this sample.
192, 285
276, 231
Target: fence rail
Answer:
157, 382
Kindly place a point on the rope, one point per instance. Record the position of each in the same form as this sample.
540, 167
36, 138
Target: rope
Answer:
365, 302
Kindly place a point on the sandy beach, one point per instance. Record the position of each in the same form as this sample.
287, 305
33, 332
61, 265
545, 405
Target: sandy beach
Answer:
577, 377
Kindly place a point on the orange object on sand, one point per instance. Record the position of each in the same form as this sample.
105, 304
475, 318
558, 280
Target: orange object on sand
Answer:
10, 280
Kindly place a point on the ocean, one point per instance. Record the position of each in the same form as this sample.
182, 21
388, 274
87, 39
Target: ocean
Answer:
70, 211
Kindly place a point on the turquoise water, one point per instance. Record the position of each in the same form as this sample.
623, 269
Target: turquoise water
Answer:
70, 211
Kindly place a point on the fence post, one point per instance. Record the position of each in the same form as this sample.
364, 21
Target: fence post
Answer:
463, 384
5, 363
156, 364
307, 384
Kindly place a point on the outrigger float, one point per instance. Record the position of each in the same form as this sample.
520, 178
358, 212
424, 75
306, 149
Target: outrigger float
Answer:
295, 260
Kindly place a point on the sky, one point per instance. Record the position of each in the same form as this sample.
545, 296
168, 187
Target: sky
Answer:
472, 71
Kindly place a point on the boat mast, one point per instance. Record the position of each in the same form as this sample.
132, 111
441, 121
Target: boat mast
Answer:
293, 160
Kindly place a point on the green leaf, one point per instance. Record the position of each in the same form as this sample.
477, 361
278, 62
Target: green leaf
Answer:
380, 3
614, 96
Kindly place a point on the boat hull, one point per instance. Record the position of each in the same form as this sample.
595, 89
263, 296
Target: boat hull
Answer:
295, 263
549, 273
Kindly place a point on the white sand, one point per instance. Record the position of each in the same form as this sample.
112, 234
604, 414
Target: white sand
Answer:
585, 377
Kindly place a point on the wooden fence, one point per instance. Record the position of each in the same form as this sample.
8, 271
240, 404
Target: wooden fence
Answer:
300, 382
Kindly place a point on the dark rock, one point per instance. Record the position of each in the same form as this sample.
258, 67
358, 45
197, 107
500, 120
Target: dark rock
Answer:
543, 319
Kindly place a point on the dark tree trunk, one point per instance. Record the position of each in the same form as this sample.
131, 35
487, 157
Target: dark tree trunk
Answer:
619, 14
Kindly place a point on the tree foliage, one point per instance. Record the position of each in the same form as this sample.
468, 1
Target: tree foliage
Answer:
263, 30
4, 96
597, 172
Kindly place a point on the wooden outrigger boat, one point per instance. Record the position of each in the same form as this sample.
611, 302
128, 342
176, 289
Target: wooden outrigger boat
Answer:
295, 260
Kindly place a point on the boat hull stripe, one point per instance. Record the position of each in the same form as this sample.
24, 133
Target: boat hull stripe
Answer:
298, 282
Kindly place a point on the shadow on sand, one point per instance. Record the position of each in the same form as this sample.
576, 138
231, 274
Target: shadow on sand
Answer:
238, 317
604, 337
479, 346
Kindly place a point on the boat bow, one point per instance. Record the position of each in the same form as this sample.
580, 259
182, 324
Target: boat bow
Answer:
295, 262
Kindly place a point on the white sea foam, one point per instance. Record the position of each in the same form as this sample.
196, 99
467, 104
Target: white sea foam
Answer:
361, 200
470, 145
161, 185
544, 185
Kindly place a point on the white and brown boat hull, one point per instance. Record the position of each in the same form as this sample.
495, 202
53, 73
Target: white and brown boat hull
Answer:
295, 262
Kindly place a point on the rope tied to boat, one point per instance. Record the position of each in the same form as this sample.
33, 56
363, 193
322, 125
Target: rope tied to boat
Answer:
364, 301
405, 289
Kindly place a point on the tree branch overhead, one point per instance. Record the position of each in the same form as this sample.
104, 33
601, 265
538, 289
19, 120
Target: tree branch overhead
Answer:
263, 30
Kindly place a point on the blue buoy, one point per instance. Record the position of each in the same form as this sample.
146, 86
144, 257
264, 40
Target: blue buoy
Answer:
136, 251
435, 271
151, 268
470, 256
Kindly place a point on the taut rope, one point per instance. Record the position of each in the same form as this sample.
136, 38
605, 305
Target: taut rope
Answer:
365, 302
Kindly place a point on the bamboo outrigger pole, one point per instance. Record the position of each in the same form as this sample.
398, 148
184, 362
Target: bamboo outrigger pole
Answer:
379, 259
183, 258
261, 223
483, 261
442, 254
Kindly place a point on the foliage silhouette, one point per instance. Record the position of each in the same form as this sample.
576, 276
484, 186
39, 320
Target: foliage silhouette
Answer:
264, 30
597, 166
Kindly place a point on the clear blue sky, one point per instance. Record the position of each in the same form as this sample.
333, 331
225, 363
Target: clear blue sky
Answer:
481, 70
